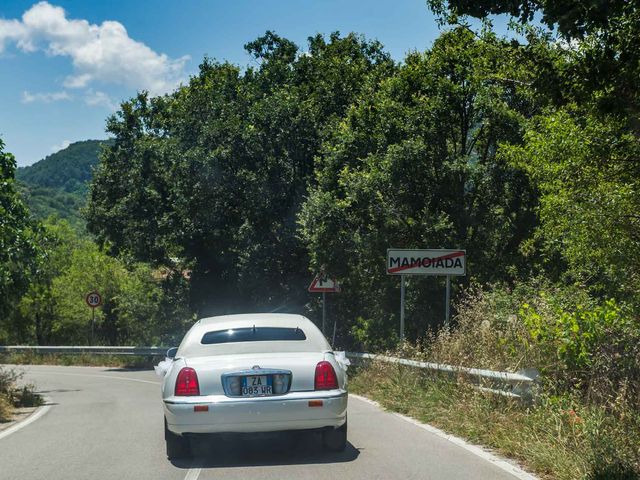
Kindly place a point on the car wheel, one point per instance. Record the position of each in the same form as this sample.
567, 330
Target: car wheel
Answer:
336, 439
177, 446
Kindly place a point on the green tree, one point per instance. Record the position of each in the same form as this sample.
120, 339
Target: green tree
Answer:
601, 40
140, 305
213, 176
131, 299
586, 169
413, 165
35, 315
581, 151
19, 253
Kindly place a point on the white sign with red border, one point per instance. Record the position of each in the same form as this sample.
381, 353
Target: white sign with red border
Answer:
324, 284
426, 262
93, 299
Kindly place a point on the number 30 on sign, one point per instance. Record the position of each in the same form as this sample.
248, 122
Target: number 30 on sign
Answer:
93, 299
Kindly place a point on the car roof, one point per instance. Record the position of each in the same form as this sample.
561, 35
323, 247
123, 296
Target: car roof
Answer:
191, 345
286, 320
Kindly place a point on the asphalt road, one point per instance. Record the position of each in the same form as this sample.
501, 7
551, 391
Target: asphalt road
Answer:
107, 424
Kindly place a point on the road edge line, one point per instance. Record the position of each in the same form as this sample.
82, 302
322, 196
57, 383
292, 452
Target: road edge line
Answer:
35, 415
477, 450
193, 474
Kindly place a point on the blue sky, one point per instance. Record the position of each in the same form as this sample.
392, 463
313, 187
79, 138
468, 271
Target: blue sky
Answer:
65, 64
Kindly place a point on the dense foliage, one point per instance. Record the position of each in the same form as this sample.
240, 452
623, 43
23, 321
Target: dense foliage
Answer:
252, 179
588, 175
585, 420
234, 189
19, 252
45, 202
137, 303
213, 176
414, 164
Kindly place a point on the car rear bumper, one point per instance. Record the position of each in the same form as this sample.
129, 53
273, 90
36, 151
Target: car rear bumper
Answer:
261, 414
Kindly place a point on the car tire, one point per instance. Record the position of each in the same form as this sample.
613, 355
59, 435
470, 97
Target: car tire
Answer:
335, 440
177, 446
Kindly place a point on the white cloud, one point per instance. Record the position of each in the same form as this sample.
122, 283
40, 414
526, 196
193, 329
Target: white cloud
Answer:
46, 97
62, 146
99, 99
103, 53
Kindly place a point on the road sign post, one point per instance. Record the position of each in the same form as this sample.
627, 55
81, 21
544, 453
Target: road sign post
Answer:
434, 262
401, 308
93, 300
447, 303
324, 311
323, 284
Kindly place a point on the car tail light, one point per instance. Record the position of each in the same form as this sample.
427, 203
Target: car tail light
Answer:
325, 376
187, 383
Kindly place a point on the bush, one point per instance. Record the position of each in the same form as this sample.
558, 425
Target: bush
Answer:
595, 350
27, 397
374, 335
579, 345
12, 396
8, 379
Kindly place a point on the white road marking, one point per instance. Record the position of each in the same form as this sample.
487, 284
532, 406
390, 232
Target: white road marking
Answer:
30, 419
474, 449
192, 474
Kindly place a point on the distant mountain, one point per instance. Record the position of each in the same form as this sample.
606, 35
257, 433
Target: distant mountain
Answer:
68, 170
57, 184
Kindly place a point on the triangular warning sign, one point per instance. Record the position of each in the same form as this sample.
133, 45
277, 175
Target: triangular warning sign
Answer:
324, 284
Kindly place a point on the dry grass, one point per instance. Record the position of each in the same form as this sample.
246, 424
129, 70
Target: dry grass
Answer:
488, 334
5, 409
557, 438
586, 422
85, 360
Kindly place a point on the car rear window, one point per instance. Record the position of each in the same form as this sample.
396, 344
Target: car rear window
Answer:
252, 334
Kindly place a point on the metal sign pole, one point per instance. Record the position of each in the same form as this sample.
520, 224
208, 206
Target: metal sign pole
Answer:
324, 311
447, 302
93, 320
402, 307
333, 341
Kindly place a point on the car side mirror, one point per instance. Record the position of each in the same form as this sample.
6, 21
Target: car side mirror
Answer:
171, 353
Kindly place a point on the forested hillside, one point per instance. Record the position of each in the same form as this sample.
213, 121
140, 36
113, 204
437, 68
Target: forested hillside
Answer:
69, 169
57, 184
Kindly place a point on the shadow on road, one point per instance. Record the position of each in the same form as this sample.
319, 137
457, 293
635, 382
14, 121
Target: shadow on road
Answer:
128, 369
275, 449
59, 390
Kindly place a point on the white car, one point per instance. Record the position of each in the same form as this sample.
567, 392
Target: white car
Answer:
254, 373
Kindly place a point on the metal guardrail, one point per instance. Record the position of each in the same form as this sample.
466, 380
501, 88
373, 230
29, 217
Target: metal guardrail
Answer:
94, 350
521, 385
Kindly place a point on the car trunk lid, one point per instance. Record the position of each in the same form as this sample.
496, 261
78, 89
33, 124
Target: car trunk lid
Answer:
212, 369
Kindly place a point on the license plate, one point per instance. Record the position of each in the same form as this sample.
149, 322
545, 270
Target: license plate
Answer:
256, 385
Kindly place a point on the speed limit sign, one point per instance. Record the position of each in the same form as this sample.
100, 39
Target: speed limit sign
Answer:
93, 299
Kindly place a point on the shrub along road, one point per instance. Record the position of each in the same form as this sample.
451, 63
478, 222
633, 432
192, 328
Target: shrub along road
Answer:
107, 423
